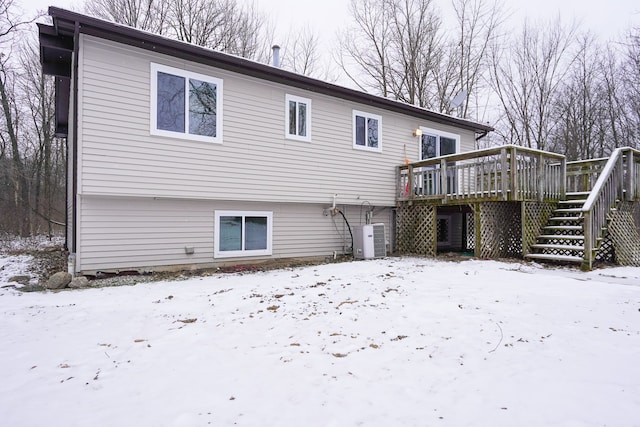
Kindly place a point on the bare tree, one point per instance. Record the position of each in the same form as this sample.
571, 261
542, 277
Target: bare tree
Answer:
249, 34
11, 23
46, 153
202, 22
630, 78
397, 45
222, 25
526, 75
368, 44
11, 20
466, 64
402, 49
301, 54
12, 116
418, 48
148, 15
580, 106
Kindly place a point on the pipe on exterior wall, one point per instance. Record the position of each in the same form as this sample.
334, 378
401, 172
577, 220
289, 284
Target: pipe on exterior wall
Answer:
482, 135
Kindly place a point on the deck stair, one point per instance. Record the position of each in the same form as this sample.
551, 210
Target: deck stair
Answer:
562, 239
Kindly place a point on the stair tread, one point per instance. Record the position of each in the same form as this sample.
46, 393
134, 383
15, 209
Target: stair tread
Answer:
563, 227
560, 237
551, 257
573, 202
557, 246
568, 210
577, 193
565, 218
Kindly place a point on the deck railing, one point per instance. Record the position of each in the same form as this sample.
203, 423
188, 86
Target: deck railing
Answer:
618, 180
508, 172
583, 174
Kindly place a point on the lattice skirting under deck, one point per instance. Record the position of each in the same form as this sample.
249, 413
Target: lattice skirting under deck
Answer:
624, 233
416, 228
471, 231
535, 216
493, 230
500, 230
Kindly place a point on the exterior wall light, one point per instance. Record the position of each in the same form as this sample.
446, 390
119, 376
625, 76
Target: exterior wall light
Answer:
417, 132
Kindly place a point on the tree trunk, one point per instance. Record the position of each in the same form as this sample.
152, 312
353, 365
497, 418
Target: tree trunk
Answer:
19, 177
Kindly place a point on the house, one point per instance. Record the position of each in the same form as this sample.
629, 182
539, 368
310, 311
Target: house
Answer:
181, 156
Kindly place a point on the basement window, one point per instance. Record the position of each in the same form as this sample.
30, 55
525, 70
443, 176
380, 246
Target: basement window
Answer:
242, 233
185, 104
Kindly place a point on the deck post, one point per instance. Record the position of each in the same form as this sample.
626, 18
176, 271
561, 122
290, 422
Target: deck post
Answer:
630, 193
563, 178
503, 174
588, 242
620, 180
585, 180
540, 178
443, 180
410, 190
477, 251
513, 175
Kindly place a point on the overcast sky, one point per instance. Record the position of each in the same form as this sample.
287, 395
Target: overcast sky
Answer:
609, 18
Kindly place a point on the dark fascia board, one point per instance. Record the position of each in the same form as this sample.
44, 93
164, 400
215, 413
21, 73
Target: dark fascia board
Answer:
65, 22
55, 51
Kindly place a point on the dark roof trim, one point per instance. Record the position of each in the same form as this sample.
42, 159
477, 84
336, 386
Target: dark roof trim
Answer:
55, 51
64, 23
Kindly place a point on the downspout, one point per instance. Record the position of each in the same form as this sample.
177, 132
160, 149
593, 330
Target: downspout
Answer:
482, 135
67, 243
74, 94
479, 137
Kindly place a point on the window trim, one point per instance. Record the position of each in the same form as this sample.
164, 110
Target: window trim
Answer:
297, 100
437, 133
366, 115
217, 253
153, 126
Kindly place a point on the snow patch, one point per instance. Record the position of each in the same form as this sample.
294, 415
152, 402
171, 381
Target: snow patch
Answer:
397, 341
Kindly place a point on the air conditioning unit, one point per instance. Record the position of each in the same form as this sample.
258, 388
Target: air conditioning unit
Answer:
369, 241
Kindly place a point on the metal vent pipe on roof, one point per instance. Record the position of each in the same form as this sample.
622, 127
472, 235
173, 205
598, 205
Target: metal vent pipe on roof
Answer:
276, 55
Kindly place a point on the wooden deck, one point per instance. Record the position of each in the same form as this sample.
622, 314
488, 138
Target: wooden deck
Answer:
507, 173
586, 196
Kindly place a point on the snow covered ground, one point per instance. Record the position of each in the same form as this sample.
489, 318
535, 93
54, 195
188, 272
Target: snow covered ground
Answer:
392, 342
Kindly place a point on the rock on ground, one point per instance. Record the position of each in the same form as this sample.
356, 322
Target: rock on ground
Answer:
79, 282
59, 280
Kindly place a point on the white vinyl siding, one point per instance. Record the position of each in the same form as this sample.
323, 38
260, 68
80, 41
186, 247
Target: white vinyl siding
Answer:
297, 118
131, 233
119, 156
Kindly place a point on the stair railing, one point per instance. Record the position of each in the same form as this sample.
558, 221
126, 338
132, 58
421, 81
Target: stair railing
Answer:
618, 180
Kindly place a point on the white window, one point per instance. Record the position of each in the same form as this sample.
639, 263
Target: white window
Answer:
297, 118
242, 233
185, 104
436, 143
367, 131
